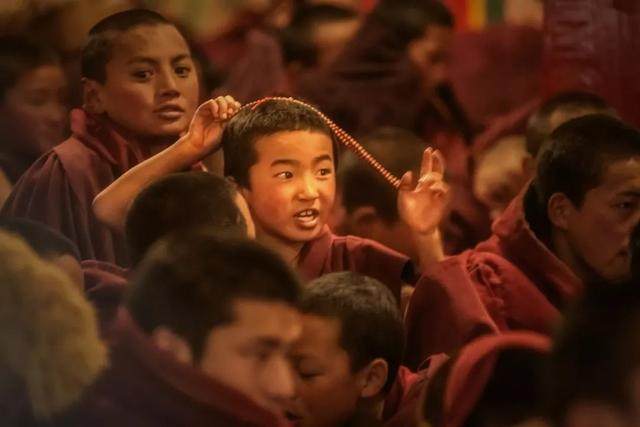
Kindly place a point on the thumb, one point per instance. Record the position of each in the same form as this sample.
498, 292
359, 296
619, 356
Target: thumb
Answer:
406, 182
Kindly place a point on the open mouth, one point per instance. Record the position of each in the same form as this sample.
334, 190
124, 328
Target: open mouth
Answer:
169, 112
293, 418
307, 218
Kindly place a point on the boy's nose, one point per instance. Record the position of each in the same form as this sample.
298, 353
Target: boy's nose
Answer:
309, 189
279, 382
167, 83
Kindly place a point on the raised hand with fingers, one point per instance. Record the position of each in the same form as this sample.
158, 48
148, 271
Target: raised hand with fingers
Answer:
203, 136
422, 203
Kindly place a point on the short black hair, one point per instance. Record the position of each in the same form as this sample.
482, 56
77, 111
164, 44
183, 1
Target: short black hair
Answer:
399, 151
96, 52
44, 240
189, 282
18, 56
267, 118
179, 202
371, 323
409, 19
596, 350
572, 103
297, 39
578, 153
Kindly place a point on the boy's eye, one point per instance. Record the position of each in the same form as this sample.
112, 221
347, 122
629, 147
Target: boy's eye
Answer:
142, 74
325, 171
183, 71
284, 175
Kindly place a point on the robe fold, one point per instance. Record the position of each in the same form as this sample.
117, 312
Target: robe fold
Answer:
512, 281
105, 287
59, 188
330, 253
145, 386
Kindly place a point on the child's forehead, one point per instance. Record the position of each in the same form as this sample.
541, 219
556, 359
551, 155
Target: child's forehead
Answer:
152, 41
294, 143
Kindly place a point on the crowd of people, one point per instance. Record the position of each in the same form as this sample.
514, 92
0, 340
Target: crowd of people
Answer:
297, 224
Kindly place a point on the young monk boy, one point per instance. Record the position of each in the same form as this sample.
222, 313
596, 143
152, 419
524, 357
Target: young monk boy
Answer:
570, 228
348, 356
140, 92
203, 340
281, 155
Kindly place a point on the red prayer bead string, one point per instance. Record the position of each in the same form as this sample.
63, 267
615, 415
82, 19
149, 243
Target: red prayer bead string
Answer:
346, 139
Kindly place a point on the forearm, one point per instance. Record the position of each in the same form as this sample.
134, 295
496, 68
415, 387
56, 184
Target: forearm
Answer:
430, 249
112, 204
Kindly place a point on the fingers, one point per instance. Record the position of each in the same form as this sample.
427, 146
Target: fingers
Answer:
438, 163
427, 162
406, 182
220, 108
432, 163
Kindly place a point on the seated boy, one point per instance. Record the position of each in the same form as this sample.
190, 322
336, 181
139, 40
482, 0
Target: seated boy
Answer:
203, 340
348, 356
282, 157
174, 204
570, 228
140, 92
33, 106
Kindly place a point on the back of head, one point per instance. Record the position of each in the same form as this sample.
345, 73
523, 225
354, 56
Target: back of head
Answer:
410, 18
558, 109
399, 151
495, 381
188, 283
578, 153
18, 56
371, 323
100, 43
596, 353
179, 202
47, 242
264, 119
49, 340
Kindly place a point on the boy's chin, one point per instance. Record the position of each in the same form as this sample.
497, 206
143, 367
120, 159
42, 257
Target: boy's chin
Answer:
304, 235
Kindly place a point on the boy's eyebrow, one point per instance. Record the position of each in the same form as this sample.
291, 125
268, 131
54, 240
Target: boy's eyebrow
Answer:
181, 57
285, 162
150, 60
322, 158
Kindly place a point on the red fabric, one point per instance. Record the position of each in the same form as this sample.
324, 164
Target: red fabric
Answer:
330, 253
473, 367
105, 285
401, 406
593, 45
145, 386
59, 188
511, 281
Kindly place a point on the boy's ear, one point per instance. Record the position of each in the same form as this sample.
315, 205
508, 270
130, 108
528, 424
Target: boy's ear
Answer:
559, 210
374, 377
167, 340
92, 96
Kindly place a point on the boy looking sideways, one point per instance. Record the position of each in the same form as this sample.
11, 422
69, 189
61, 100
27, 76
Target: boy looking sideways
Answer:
140, 92
282, 155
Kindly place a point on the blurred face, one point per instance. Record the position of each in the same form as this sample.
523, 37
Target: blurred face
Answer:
598, 232
327, 392
431, 55
34, 112
250, 354
151, 87
330, 37
292, 185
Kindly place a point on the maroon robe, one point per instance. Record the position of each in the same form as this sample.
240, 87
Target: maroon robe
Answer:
330, 253
511, 281
59, 188
145, 386
105, 285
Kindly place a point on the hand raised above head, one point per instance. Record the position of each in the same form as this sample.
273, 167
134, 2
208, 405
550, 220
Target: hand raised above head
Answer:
423, 203
208, 122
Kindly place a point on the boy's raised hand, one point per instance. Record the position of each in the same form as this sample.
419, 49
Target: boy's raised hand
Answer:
208, 122
423, 204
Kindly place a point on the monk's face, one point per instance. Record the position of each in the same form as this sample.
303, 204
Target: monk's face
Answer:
430, 54
34, 111
250, 354
291, 186
598, 232
328, 391
151, 86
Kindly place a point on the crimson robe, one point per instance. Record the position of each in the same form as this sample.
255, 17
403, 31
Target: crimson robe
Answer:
105, 286
330, 253
145, 386
510, 281
59, 188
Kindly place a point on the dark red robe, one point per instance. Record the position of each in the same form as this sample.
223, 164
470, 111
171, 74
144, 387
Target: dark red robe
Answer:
330, 253
511, 281
145, 386
59, 187
105, 286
